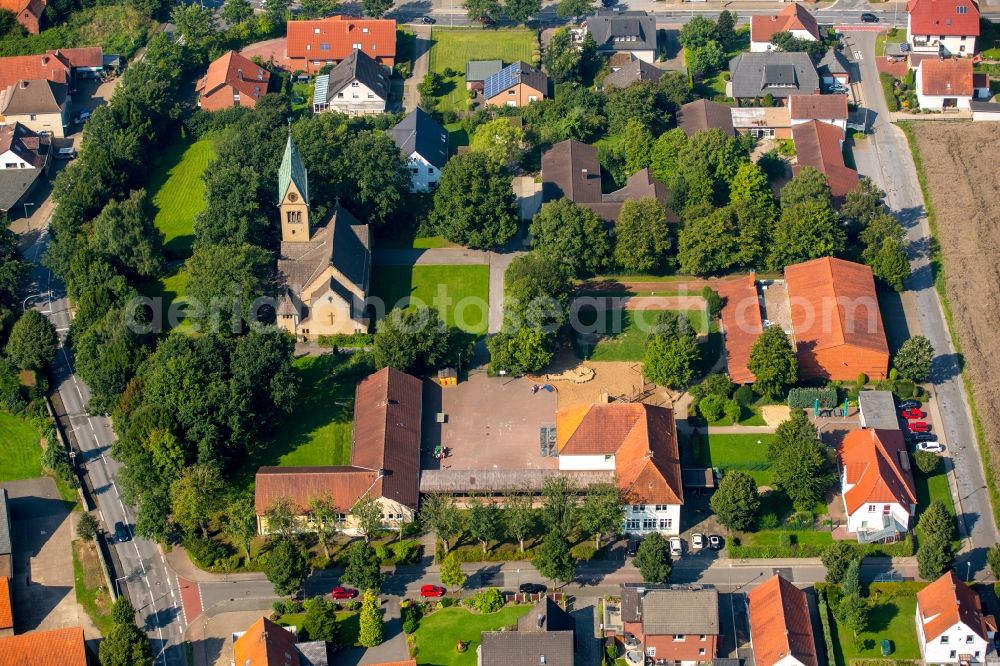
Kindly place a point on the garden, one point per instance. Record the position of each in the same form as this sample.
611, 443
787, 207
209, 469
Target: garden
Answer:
444, 634
891, 611
623, 333
463, 290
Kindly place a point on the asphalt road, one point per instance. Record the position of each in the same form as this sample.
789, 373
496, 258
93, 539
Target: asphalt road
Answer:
140, 566
890, 165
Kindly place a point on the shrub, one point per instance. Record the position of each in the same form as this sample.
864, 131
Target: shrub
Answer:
488, 601
711, 407
802, 520
927, 462
381, 552
862, 379
346, 339
785, 539
744, 395
405, 552
292, 606
583, 551
278, 607
805, 398
712, 300
86, 528
904, 389
888, 90
447, 602
205, 552
768, 521
733, 410
352, 605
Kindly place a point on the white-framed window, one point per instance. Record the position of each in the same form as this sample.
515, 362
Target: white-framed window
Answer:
632, 524
315, 31
969, 639
666, 523
649, 523
608, 458
638, 508
511, 91
662, 507
651, 652
357, 46
944, 639
701, 651
355, 84
961, 9
678, 638
701, 637
871, 508
364, 30
952, 654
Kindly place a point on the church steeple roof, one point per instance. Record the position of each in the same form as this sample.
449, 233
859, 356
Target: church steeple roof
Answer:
292, 171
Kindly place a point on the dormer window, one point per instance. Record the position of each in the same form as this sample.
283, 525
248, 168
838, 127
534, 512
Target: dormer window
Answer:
961, 9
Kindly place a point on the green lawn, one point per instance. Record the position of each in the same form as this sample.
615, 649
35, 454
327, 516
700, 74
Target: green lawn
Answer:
888, 618
625, 332
439, 633
773, 537
460, 293
92, 594
178, 193
884, 38
747, 453
170, 288
451, 48
305, 92
20, 453
934, 488
348, 625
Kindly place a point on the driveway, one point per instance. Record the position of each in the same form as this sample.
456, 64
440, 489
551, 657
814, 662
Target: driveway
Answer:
421, 63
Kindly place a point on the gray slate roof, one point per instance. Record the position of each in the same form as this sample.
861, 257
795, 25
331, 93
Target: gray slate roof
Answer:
419, 133
637, 70
984, 106
546, 615
39, 96
834, 62
623, 31
292, 170
13, 184
517, 648
704, 114
5, 544
664, 612
313, 653
878, 408
344, 243
360, 67
779, 73
480, 70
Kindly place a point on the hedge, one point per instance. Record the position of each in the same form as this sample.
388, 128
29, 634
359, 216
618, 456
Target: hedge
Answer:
346, 340
899, 549
824, 619
805, 398
888, 90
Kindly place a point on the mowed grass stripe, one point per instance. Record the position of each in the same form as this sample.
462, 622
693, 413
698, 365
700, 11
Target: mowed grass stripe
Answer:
465, 288
178, 193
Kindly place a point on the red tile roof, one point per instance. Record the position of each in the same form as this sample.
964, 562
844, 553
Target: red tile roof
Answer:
876, 463
741, 323
780, 624
946, 77
817, 144
339, 34
344, 484
83, 56
946, 602
943, 17
817, 107
643, 439
43, 648
237, 71
6, 614
34, 7
792, 17
33, 68
833, 303
266, 644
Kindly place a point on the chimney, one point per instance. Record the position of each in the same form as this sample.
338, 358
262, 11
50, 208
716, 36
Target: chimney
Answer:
24, 84
239, 74
541, 620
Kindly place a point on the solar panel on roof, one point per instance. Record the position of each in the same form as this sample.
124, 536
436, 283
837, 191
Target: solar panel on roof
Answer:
501, 81
319, 95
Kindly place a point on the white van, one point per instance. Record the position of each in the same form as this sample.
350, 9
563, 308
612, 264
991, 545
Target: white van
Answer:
65, 153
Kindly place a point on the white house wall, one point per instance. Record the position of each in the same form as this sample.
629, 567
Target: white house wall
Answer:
357, 100
643, 519
863, 519
937, 652
836, 122
11, 160
426, 176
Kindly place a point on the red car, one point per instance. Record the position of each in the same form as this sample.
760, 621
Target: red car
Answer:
913, 414
341, 592
432, 591
919, 426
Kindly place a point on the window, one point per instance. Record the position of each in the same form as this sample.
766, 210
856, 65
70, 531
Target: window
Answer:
341, 517
357, 46
608, 458
638, 508
666, 524
415, 171
662, 507
952, 654
355, 84
340, 95
32, 116
364, 30
944, 639
701, 637
324, 46
632, 524
976, 654
871, 508
701, 651
371, 95
315, 31
430, 170
511, 91
961, 10
648, 524
678, 637
10, 165
651, 652
968, 639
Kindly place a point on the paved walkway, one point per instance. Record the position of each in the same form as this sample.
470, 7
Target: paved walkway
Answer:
421, 64
452, 256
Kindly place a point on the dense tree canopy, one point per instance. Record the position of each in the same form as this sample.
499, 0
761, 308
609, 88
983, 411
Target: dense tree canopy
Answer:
805, 231
914, 358
571, 234
32, 343
416, 340
736, 501
227, 277
807, 186
124, 232
671, 351
642, 236
772, 361
709, 243
474, 204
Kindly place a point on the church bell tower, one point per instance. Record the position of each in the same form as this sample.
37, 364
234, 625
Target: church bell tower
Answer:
293, 197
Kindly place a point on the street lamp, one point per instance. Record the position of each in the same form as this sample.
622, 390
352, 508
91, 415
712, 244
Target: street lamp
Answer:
24, 303
118, 589
26, 204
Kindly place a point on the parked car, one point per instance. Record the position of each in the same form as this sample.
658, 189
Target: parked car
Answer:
531, 588
913, 413
429, 591
838, 89
868, 17
81, 117
427, 20
65, 154
909, 404
932, 446
633, 546
921, 437
918, 426
697, 541
121, 532
341, 592
676, 546
715, 542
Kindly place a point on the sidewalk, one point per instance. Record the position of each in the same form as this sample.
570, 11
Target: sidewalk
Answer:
180, 564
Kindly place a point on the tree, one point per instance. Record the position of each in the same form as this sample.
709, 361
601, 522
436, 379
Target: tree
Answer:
368, 512
194, 495
638, 142
836, 558
280, 518
235, 12
934, 558
519, 11
559, 506
571, 234
725, 26
891, 265
520, 350
14, 270
485, 523
803, 232
124, 232
772, 361
197, 24
32, 343
320, 622
553, 558
653, 559
416, 340
561, 57
371, 630
322, 8
877, 229
477, 10
709, 243
223, 278
864, 203
809, 185
642, 236
786, 41
363, 569
914, 358
666, 152
927, 462
451, 572
993, 559
373, 176
500, 140
122, 611
751, 187
376, 8
519, 516
125, 644
240, 522
699, 31
852, 578
474, 204
574, 8
736, 501
276, 10
86, 527
798, 428
852, 611
325, 517
603, 511
671, 352
802, 470
287, 568
442, 517
707, 58
936, 523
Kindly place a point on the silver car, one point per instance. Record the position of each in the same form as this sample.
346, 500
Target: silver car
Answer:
676, 546
697, 541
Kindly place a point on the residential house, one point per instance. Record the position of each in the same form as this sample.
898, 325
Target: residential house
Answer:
639, 443
85, 62
517, 85
951, 627
877, 410
38, 104
880, 498
232, 80
671, 624
981, 86
314, 43
424, 144
65, 647
829, 109
836, 322
944, 84
794, 19
324, 276
776, 73
780, 629
760, 122
358, 86
616, 31
633, 72
63, 66
544, 637
477, 71
704, 114
385, 459
834, 67
24, 159
820, 145
28, 13
571, 169
942, 27
266, 643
